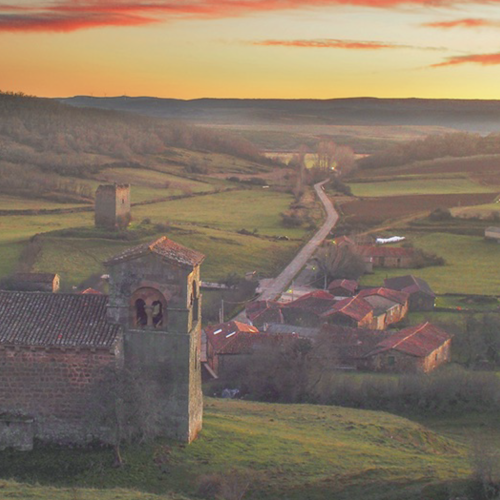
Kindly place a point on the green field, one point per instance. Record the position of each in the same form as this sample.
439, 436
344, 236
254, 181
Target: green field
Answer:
17, 203
481, 211
231, 211
292, 452
471, 264
417, 185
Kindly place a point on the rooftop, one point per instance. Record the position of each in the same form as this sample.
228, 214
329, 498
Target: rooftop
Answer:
409, 284
388, 293
354, 307
55, 320
419, 341
165, 248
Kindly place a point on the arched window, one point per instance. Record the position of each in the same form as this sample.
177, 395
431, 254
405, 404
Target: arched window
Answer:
148, 309
141, 317
157, 313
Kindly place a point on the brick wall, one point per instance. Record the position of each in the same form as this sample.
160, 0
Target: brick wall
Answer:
50, 385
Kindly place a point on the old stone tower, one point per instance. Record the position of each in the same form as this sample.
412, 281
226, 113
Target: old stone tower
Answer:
155, 298
112, 206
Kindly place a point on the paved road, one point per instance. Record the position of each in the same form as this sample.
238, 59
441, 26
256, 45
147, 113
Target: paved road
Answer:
277, 286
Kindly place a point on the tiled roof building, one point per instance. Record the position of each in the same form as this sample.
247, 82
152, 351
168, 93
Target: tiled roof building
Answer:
56, 349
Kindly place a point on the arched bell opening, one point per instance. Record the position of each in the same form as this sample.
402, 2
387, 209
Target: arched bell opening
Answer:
148, 309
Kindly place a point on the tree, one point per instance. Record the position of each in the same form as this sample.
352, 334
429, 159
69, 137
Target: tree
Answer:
336, 262
128, 405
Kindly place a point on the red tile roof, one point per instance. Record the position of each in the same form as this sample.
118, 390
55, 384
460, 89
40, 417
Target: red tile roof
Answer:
379, 251
316, 302
163, 247
352, 342
55, 320
354, 307
388, 293
419, 341
230, 337
349, 285
264, 310
91, 291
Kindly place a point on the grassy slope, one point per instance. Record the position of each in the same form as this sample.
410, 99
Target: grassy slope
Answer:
427, 185
470, 264
292, 452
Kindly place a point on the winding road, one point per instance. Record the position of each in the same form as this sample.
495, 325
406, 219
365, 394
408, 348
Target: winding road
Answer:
278, 285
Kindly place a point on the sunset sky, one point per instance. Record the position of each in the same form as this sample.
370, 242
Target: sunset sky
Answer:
251, 48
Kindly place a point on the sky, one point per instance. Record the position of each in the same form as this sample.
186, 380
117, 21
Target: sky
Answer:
290, 49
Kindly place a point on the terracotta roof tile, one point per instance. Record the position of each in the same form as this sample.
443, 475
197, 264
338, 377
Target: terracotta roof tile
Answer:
388, 293
60, 320
419, 341
354, 307
349, 285
163, 247
379, 251
316, 302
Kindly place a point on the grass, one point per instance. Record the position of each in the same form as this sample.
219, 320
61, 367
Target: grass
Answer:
471, 264
417, 185
230, 211
292, 452
481, 211
14, 490
18, 203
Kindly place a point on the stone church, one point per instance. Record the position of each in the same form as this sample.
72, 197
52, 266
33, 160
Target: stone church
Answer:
55, 347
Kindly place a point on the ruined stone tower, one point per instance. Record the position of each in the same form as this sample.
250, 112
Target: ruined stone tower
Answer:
112, 206
155, 297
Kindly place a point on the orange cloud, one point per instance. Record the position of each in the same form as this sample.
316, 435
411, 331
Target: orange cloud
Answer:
330, 44
482, 59
463, 23
71, 15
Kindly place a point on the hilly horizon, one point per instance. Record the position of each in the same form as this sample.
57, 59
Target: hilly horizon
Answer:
482, 116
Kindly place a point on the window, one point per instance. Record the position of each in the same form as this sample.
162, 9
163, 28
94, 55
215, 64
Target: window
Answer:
141, 317
391, 360
148, 309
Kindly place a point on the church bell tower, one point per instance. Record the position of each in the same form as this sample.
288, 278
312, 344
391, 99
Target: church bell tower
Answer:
155, 297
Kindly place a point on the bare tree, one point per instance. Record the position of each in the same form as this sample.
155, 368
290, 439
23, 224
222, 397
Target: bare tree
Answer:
336, 262
126, 405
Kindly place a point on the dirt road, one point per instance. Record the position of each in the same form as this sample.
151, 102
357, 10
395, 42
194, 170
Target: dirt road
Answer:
278, 285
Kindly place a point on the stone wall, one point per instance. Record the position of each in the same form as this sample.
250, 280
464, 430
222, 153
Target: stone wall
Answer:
112, 206
52, 386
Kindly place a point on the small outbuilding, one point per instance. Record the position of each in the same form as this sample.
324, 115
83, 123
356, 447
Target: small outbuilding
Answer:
420, 348
343, 288
392, 304
352, 311
421, 298
379, 256
35, 282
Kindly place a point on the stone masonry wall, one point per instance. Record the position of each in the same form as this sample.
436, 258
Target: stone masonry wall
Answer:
50, 385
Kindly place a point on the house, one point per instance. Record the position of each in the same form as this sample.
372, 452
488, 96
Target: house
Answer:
56, 349
492, 233
420, 348
348, 346
261, 312
35, 282
422, 298
352, 311
390, 304
343, 288
229, 343
303, 332
394, 257
307, 310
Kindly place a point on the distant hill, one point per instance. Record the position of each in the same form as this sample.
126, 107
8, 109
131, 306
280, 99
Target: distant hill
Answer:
470, 115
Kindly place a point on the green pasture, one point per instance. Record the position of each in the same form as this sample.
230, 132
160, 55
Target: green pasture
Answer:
417, 185
18, 203
75, 259
471, 264
231, 211
291, 452
481, 211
